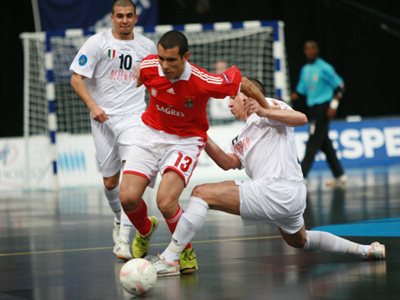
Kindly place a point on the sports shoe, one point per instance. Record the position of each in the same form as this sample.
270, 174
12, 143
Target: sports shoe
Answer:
340, 181
121, 249
376, 251
165, 268
141, 244
188, 261
117, 226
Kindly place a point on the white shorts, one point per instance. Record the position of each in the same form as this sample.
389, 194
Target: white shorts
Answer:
156, 151
113, 140
280, 203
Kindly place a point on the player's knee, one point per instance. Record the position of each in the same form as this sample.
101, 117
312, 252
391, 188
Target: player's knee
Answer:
127, 202
200, 191
167, 205
111, 183
296, 243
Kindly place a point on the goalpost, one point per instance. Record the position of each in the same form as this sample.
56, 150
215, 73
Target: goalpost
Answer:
59, 148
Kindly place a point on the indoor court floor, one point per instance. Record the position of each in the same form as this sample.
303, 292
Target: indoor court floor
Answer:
58, 245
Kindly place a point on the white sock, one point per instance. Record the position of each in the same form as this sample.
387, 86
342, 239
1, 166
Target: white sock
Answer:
113, 200
191, 221
126, 226
325, 241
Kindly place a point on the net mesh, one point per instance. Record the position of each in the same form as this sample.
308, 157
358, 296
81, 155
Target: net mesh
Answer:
251, 50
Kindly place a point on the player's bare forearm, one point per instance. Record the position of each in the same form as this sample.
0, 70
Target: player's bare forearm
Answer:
250, 90
225, 161
288, 117
291, 118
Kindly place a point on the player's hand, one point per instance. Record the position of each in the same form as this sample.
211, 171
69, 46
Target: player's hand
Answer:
275, 105
252, 106
136, 73
98, 114
331, 113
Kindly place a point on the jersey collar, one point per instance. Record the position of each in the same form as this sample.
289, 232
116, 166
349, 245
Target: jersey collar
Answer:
185, 75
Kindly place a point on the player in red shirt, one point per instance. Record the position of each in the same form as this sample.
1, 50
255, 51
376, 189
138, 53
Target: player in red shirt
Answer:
173, 133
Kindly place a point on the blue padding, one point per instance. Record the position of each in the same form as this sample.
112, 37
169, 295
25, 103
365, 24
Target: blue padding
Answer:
381, 227
179, 27
277, 64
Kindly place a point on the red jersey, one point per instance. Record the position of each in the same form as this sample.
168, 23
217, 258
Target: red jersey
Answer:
180, 107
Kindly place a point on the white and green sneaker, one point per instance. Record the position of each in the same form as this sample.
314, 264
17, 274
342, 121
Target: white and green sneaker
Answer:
188, 261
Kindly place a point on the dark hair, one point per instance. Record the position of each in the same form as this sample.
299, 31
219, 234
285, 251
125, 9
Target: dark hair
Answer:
257, 84
314, 43
174, 38
123, 3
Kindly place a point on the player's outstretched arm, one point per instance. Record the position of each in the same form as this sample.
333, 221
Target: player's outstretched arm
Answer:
250, 90
225, 161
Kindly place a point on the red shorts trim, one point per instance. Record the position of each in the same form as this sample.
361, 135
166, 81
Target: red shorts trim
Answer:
136, 173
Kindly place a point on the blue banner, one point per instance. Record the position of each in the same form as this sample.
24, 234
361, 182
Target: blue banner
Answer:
359, 144
66, 14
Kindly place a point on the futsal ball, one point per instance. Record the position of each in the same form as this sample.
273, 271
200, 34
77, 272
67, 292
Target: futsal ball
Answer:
138, 276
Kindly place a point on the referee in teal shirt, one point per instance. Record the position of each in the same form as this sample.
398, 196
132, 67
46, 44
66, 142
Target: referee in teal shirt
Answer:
323, 89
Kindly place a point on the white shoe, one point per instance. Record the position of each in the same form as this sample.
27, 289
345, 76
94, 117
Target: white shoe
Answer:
165, 268
122, 250
116, 228
341, 181
376, 251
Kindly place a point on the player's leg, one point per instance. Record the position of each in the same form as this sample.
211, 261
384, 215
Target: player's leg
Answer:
140, 171
132, 189
126, 129
110, 166
339, 177
222, 196
111, 191
177, 164
325, 241
169, 191
318, 130
122, 225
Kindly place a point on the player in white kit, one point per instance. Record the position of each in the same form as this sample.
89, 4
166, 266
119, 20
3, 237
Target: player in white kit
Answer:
276, 195
103, 77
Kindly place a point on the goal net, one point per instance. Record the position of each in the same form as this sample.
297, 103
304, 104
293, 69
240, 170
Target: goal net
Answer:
52, 108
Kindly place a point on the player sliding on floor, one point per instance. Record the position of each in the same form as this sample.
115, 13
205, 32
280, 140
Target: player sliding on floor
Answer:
266, 149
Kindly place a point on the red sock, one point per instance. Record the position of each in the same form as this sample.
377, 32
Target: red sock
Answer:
173, 221
139, 218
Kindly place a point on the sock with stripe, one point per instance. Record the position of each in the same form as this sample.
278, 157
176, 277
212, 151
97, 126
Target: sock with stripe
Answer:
139, 218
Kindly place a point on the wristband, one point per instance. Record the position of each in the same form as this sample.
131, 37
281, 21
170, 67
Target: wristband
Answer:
334, 103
